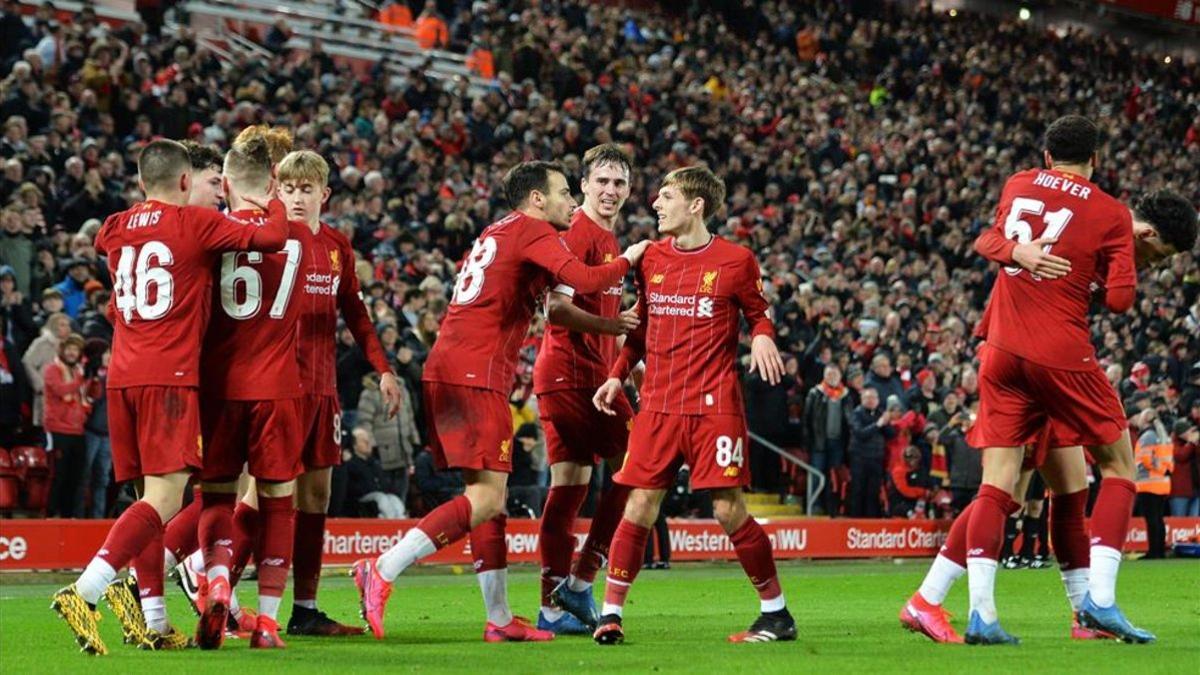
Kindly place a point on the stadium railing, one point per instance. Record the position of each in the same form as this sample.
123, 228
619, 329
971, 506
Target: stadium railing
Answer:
811, 473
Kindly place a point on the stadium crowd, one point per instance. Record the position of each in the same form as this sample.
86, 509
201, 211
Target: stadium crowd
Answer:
863, 153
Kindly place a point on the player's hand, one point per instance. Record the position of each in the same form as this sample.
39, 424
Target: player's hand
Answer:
634, 253
1033, 257
262, 202
626, 322
606, 394
764, 358
389, 386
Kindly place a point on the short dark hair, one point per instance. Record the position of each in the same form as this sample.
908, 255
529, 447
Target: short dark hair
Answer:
1172, 215
606, 153
1072, 139
203, 156
163, 161
527, 177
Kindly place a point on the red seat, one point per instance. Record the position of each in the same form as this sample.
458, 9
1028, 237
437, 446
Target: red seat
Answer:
10, 482
35, 472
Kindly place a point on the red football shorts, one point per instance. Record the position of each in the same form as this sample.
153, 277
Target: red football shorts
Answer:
155, 430
264, 434
321, 424
577, 432
714, 446
1018, 399
469, 427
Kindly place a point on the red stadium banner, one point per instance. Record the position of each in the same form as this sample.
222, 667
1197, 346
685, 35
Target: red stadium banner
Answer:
69, 544
1187, 11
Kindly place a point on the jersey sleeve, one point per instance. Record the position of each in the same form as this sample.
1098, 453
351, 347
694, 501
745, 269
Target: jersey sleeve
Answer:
1117, 253
992, 245
749, 293
354, 311
581, 248
217, 232
543, 247
634, 349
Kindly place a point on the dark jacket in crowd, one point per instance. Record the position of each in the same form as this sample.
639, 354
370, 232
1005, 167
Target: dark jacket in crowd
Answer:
868, 440
817, 417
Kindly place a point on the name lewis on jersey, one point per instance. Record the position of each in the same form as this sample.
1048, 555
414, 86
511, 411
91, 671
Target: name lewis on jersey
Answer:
143, 219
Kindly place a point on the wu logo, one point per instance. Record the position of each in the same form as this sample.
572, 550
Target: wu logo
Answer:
704, 308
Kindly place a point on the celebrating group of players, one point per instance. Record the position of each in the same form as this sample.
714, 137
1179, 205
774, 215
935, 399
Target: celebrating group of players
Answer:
253, 386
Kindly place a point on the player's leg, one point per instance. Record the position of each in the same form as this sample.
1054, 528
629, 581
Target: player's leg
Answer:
615, 440
273, 551
626, 552
753, 549
1066, 472
556, 541
490, 557
923, 613
322, 451
1109, 526
985, 533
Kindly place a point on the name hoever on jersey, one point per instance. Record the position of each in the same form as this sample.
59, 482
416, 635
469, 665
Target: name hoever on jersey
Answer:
1046, 320
575, 360
161, 258
692, 305
251, 349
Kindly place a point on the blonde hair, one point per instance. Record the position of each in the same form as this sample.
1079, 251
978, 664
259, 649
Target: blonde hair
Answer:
278, 139
698, 182
248, 164
304, 165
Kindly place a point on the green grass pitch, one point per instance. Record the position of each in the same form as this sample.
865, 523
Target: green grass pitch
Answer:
676, 621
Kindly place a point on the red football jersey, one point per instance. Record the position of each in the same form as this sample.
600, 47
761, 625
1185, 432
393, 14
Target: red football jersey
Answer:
690, 302
250, 348
328, 284
161, 258
1046, 321
570, 359
500, 284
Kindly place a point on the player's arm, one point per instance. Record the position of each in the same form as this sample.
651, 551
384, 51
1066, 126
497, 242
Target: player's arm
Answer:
354, 312
562, 311
221, 233
1116, 251
764, 355
544, 249
1033, 256
632, 352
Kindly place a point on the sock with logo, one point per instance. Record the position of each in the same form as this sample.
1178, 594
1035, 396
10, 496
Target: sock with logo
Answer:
277, 520
595, 549
216, 533
753, 549
441, 527
628, 547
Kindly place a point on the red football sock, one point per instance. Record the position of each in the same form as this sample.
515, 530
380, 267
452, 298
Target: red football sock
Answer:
1068, 530
246, 521
628, 547
753, 549
180, 537
447, 523
308, 548
216, 529
555, 539
608, 514
132, 532
488, 548
985, 529
955, 548
273, 550
148, 564
1111, 513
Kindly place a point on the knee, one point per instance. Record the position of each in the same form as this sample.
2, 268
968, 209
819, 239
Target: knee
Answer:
641, 508
730, 513
313, 497
487, 502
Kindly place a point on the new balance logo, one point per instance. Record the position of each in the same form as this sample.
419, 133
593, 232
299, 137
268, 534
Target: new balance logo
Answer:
974, 553
273, 562
704, 308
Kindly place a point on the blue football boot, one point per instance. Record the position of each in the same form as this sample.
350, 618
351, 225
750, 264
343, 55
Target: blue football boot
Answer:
580, 604
1110, 620
980, 633
566, 624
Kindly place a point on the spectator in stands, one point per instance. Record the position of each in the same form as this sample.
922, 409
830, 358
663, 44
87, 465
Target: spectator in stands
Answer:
43, 351
72, 287
1154, 464
884, 380
431, 30
394, 450
396, 13
437, 487
1185, 477
65, 415
16, 309
827, 426
97, 467
870, 428
13, 388
366, 482
909, 486
523, 483
766, 416
17, 248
